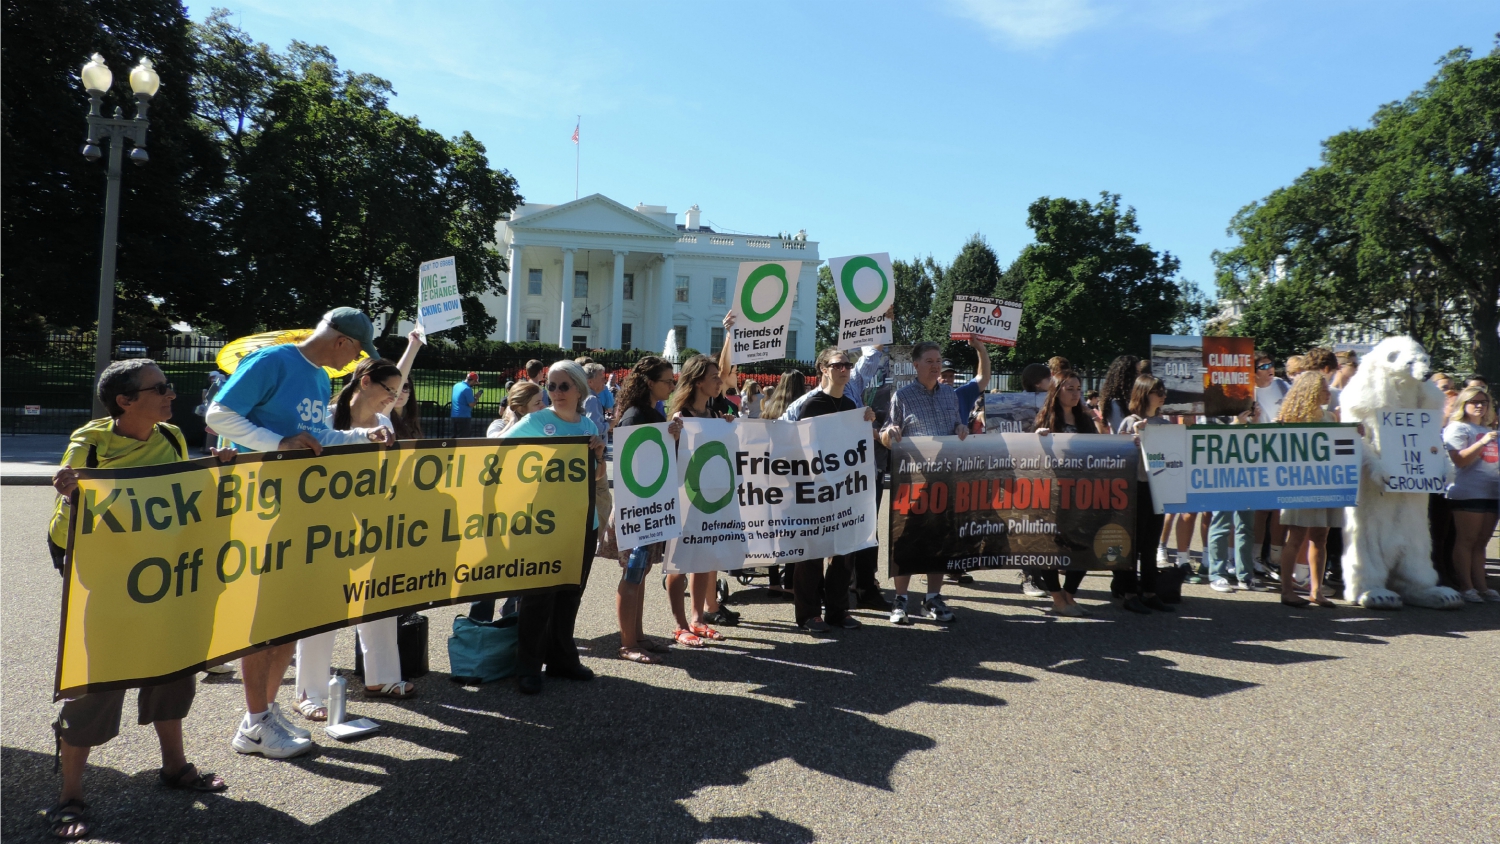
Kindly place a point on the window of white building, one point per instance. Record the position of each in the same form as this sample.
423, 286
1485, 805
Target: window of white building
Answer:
791, 344
581, 284
715, 340
721, 290
534, 282
629, 293
681, 332
626, 330
534, 330
682, 288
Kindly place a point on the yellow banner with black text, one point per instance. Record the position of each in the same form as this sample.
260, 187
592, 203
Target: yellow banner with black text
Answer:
177, 567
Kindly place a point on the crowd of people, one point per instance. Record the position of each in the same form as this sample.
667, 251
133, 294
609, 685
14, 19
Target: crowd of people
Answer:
279, 399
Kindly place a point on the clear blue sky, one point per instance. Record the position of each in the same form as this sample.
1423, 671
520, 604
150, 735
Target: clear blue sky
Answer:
898, 127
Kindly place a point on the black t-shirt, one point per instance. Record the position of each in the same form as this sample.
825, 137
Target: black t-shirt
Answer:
822, 404
639, 416
717, 406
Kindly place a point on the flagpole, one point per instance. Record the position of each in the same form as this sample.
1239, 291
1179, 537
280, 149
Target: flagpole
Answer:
577, 153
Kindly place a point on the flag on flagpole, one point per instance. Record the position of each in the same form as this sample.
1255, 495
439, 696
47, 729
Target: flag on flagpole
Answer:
575, 133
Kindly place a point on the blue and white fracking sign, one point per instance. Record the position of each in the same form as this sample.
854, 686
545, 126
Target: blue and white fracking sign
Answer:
1207, 468
439, 306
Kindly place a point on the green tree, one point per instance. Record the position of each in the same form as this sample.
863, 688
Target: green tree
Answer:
827, 333
916, 286
1089, 290
1398, 229
52, 198
975, 272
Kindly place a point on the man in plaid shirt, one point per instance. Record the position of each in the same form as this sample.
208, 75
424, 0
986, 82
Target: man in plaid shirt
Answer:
924, 408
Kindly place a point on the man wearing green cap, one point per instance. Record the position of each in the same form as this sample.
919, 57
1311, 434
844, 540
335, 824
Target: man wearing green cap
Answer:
277, 400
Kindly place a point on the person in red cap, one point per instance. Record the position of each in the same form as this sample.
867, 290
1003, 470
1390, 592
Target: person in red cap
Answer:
466, 394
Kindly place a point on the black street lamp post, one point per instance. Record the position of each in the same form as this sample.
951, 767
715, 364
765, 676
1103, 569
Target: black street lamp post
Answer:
96, 79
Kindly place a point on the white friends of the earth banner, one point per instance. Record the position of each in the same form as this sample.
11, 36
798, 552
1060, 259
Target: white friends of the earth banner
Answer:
987, 320
439, 307
758, 492
763, 295
866, 289
1213, 468
645, 489
1411, 450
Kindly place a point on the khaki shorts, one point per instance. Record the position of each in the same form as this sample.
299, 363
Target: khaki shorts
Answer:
94, 719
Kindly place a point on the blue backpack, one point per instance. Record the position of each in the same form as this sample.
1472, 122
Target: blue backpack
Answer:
482, 651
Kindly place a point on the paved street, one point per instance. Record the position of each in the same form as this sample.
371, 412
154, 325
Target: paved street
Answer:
1234, 719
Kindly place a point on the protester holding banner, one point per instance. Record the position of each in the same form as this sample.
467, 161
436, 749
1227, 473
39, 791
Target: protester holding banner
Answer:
139, 399
372, 389
544, 631
697, 396
925, 408
1065, 413
822, 599
1137, 587
277, 400
1474, 495
650, 381
1306, 403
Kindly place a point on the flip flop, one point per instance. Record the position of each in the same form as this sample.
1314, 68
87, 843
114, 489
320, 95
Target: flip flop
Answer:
396, 691
706, 632
206, 783
638, 654
69, 820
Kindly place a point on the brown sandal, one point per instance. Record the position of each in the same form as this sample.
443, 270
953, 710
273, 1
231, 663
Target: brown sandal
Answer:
638, 654
188, 779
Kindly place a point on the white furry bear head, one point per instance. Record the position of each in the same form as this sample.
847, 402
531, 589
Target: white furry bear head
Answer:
1396, 356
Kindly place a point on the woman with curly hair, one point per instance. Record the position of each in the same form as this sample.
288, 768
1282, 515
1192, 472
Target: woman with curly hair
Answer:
650, 381
1114, 395
1304, 403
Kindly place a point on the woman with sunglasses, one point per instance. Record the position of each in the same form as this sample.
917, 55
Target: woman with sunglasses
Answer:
545, 627
372, 390
1474, 495
650, 381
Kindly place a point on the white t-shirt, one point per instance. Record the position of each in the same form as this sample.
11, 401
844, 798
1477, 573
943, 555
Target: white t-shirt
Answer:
1269, 398
1480, 479
385, 422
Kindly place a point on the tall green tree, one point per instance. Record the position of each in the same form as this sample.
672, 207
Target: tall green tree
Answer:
1398, 229
827, 333
1089, 290
917, 281
52, 198
975, 272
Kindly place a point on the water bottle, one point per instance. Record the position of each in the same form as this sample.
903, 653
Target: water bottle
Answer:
338, 693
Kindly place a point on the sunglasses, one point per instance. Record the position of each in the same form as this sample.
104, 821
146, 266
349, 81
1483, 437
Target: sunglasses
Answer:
562, 387
1265, 366
840, 365
160, 389
406, 388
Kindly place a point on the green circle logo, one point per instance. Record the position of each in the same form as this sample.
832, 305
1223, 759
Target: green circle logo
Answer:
846, 279
626, 465
752, 281
695, 469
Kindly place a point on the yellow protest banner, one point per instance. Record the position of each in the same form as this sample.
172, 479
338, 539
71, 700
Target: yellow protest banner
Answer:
176, 567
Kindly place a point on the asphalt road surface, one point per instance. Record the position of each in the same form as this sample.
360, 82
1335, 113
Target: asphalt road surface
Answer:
1234, 719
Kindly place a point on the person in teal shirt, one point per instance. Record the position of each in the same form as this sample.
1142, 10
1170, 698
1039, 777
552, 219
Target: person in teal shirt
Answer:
545, 628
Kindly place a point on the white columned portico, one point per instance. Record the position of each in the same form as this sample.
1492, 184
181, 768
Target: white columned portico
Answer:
513, 296
617, 301
664, 295
565, 330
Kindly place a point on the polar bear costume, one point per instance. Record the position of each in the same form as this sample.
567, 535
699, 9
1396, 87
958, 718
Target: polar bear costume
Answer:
1388, 549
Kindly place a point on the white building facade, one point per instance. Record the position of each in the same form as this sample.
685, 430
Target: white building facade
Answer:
595, 274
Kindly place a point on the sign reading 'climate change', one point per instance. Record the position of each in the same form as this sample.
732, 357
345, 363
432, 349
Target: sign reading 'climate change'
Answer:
1207, 468
763, 297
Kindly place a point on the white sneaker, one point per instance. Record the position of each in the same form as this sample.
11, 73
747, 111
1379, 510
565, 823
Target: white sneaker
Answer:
1473, 596
1490, 595
286, 724
1220, 584
1031, 590
898, 611
221, 668
1163, 558
1262, 568
1252, 583
1300, 575
935, 609
267, 738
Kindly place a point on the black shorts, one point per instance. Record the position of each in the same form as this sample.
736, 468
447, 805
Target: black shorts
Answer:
94, 719
1474, 505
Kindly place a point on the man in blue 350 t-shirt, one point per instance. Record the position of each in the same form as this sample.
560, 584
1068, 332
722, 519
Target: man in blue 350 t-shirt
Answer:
277, 400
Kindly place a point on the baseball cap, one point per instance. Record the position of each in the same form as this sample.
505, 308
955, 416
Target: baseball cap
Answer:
473, 376
352, 323
948, 366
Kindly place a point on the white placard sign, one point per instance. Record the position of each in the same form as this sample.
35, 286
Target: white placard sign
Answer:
866, 288
1411, 450
763, 295
438, 304
987, 320
645, 486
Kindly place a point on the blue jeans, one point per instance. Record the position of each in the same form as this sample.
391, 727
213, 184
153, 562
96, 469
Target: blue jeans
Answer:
1238, 526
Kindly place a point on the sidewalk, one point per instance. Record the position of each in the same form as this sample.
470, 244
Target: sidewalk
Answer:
30, 459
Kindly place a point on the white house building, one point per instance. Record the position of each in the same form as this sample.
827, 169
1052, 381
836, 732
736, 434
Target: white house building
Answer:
593, 273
